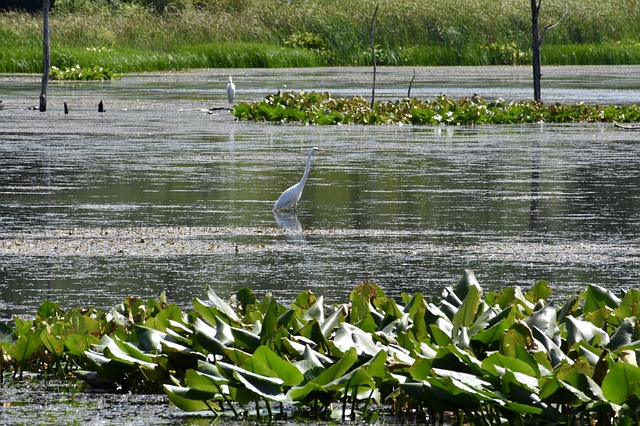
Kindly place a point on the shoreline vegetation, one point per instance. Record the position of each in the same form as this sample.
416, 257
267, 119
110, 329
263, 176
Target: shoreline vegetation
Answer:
160, 35
504, 357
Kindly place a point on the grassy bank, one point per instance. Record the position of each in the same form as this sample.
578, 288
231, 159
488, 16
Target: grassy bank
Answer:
273, 33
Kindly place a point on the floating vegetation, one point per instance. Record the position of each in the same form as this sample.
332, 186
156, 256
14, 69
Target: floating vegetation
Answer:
322, 108
498, 358
78, 73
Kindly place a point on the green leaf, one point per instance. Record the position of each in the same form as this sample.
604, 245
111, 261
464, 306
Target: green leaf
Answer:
188, 399
205, 336
540, 291
48, 310
597, 297
54, 344
349, 336
23, 348
6, 333
621, 381
269, 323
222, 306
289, 374
578, 330
245, 339
467, 312
315, 311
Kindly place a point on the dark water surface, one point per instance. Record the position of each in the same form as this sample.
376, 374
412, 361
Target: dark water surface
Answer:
156, 194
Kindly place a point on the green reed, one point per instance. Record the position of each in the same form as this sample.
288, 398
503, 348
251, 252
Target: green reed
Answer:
249, 33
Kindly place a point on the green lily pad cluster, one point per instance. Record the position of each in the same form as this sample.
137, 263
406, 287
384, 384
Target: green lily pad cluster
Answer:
501, 358
322, 108
78, 73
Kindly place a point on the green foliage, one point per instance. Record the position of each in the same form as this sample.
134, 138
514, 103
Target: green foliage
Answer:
504, 357
151, 35
78, 73
321, 108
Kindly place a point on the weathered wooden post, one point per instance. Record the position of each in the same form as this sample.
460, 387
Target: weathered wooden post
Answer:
46, 59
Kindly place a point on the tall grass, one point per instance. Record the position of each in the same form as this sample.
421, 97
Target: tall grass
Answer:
246, 33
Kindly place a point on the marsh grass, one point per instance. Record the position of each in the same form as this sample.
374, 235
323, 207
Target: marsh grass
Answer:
244, 33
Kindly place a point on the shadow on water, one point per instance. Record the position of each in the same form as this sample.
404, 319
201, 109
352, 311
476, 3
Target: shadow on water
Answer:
156, 194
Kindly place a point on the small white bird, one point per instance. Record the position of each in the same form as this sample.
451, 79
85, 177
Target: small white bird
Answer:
288, 201
231, 92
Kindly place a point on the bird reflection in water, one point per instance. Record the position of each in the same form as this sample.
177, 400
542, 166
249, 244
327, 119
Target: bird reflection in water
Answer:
287, 220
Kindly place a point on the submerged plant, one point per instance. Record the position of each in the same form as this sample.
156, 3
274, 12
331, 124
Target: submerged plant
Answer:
503, 357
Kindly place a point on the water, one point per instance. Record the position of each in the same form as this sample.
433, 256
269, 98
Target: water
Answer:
157, 194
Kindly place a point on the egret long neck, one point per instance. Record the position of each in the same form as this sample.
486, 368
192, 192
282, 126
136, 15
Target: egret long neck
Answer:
306, 170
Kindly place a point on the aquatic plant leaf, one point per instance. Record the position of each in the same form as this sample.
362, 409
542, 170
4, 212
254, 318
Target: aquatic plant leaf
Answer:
596, 297
188, 399
545, 320
310, 366
266, 386
466, 314
349, 336
315, 311
200, 381
569, 307
245, 296
205, 336
245, 339
149, 339
540, 291
315, 388
116, 354
578, 330
467, 283
222, 306
77, 344
289, 374
439, 336
496, 359
491, 334
212, 373
269, 323
621, 381
626, 334
171, 313
6, 333
54, 344
333, 321
23, 348
48, 310
555, 352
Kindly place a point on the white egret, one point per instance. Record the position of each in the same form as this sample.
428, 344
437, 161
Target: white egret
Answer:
288, 201
231, 92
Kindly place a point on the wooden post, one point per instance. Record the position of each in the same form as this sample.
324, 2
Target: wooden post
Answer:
373, 55
46, 59
536, 44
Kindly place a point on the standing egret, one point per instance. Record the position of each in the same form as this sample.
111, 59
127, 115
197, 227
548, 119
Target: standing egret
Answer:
288, 201
231, 92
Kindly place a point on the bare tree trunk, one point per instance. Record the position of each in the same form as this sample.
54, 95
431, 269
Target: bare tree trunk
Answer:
536, 44
46, 59
537, 39
411, 84
373, 56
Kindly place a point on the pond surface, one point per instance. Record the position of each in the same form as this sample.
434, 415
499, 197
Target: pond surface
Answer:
156, 194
